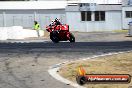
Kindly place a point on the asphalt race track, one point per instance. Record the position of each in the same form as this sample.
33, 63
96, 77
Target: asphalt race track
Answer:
25, 65
104, 47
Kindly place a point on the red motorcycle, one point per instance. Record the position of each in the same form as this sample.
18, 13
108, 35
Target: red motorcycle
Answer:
59, 32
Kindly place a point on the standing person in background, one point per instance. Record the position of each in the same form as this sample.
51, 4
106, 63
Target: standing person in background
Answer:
37, 27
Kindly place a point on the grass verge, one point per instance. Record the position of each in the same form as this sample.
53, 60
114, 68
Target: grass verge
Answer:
114, 64
120, 31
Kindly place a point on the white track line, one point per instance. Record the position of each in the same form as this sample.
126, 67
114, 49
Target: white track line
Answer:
53, 70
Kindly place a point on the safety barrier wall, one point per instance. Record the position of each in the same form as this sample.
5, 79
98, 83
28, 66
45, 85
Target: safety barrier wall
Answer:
17, 32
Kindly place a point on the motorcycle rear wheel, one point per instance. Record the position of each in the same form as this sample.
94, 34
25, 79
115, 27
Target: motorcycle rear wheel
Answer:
72, 38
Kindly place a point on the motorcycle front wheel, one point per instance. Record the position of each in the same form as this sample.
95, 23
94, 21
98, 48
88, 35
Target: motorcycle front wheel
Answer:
54, 37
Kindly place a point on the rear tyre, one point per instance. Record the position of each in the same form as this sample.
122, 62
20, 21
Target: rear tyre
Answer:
54, 36
72, 38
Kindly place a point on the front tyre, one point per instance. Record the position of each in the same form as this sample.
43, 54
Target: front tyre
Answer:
72, 38
54, 37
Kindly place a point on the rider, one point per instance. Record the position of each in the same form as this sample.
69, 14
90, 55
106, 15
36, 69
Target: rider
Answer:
57, 22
